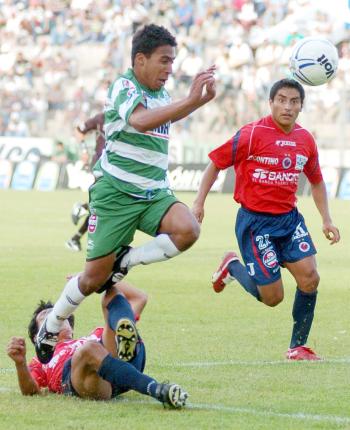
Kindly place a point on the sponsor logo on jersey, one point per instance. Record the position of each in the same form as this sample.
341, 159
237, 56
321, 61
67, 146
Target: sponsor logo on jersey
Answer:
286, 163
304, 246
285, 143
263, 241
299, 232
275, 177
270, 259
90, 244
270, 161
92, 223
300, 162
162, 129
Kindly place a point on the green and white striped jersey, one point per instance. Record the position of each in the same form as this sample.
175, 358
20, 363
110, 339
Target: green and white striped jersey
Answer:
138, 162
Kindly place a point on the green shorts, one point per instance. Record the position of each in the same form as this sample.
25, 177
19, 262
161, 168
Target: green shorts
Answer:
115, 216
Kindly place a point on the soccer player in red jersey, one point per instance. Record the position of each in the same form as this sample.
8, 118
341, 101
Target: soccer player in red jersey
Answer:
268, 157
108, 362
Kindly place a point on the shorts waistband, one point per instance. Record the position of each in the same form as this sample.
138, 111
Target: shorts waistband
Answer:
267, 214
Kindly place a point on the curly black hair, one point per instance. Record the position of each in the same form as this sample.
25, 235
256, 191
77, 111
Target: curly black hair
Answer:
149, 38
33, 326
287, 83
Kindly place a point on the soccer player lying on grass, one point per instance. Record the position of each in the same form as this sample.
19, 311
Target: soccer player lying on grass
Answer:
108, 362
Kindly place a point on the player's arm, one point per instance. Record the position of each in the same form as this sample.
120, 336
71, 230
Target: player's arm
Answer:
94, 123
16, 350
201, 92
209, 177
319, 194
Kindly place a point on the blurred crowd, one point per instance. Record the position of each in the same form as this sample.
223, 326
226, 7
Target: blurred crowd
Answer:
58, 57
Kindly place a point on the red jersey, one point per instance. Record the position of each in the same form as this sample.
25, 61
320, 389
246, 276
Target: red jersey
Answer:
267, 163
50, 375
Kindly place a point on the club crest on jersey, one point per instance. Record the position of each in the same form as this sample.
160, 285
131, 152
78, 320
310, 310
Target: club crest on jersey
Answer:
300, 162
92, 223
285, 143
304, 246
270, 259
286, 163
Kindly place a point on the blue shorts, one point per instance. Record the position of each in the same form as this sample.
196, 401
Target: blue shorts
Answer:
138, 362
266, 241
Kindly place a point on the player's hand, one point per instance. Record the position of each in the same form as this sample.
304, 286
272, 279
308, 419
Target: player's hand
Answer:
331, 232
16, 349
203, 87
198, 212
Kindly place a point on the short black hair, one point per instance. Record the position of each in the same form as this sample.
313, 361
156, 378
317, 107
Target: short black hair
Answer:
149, 38
33, 326
287, 83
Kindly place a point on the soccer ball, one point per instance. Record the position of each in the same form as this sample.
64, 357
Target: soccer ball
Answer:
314, 61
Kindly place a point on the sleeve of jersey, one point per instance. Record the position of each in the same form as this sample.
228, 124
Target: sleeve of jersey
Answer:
125, 98
312, 168
38, 373
230, 152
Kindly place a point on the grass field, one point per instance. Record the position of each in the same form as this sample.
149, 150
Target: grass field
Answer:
226, 349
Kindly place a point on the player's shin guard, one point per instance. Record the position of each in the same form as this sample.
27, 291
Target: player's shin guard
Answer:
159, 249
303, 315
69, 300
239, 272
125, 377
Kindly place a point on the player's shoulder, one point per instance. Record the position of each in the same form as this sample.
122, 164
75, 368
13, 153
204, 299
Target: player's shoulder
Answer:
306, 134
254, 127
125, 81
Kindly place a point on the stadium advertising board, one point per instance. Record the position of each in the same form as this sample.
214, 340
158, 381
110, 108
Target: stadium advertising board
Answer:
31, 168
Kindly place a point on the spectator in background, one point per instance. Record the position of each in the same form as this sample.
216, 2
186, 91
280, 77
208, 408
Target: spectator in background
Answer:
60, 153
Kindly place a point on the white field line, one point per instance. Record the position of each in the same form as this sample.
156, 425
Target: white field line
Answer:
334, 419
343, 360
340, 360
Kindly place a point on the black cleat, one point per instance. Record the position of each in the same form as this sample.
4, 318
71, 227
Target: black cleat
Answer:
118, 271
172, 395
127, 338
78, 211
73, 245
45, 344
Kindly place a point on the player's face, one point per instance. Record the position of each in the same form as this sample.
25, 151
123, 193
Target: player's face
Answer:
285, 108
65, 333
154, 71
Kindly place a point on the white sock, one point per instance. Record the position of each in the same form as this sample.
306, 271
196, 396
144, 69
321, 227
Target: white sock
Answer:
159, 249
68, 301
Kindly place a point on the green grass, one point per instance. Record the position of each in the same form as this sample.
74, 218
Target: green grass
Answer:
226, 349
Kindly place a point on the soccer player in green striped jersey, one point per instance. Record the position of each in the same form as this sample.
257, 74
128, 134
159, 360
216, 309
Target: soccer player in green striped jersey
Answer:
131, 191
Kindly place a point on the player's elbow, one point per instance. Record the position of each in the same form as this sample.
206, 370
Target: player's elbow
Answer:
138, 123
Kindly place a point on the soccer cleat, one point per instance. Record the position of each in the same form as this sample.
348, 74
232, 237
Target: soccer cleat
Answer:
78, 211
302, 353
73, 245
127, 338
222, 276
45, 344
172, 395
120, 272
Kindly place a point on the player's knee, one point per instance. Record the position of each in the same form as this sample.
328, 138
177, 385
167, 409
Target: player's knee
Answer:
273, 300
190, 232
90, 354
89, 284
310, 281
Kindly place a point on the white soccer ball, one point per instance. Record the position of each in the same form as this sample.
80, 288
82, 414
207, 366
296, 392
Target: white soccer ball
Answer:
314, 61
